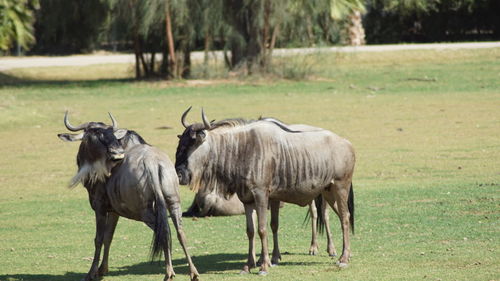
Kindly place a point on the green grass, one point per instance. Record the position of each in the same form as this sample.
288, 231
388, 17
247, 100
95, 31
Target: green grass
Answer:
425, 125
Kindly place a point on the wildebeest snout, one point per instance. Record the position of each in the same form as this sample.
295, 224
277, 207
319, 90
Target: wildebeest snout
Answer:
116, 153
183, 175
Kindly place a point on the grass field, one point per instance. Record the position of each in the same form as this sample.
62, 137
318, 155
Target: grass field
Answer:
425, 125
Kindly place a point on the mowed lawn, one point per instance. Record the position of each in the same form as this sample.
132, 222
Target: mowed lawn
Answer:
425, 126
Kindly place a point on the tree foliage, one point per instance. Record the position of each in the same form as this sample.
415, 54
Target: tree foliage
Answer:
392, 21
69, 26
16, 23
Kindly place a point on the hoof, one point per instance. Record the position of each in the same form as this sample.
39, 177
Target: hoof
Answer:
342, 264
274, 264
245, 270
91, 277
262, 273
332, 255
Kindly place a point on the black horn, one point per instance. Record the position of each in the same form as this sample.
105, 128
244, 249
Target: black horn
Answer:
115, 123
70, 127
183, 118
205, 120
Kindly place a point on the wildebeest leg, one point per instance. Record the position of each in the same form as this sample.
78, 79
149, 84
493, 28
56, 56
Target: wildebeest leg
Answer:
149, 220
330, 246
249, 208
338, 193
313, 250
100, 218
175, 212
111, 221
275, 215
261, 202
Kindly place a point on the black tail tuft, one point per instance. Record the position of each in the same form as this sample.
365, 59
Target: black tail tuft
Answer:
162, 237
350, 206
193, 210
320, 220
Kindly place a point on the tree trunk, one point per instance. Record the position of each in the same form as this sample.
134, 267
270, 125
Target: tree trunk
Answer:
170, 40
205, 54
355, 30
246, 43
265, 42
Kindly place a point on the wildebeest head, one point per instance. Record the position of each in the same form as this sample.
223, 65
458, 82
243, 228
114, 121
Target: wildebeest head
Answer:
191, 139
100, 149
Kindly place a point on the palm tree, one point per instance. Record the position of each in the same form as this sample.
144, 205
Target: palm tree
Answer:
350, 9
16, 23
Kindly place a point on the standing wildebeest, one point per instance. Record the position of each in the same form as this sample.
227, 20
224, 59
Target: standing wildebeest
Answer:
124, 176
265, 162
209, 201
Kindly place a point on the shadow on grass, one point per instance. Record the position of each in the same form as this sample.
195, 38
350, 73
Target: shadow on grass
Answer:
232, 263
204, 264
7, 80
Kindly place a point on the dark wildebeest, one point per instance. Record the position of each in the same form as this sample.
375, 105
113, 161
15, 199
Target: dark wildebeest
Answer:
265, 162
210, 203
124, 176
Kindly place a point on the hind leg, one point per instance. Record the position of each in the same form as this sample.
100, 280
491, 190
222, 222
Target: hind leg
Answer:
175, 213
338, 193
330, 246
149, 220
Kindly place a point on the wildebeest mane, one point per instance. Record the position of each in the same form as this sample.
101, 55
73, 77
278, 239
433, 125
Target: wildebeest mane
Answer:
235, 122
132, 138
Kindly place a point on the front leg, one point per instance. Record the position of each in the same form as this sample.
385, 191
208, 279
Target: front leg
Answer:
111, 221
275, 213
100, 218
261, 203
249, 210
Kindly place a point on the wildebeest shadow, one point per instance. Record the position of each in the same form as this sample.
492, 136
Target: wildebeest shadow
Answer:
230, 263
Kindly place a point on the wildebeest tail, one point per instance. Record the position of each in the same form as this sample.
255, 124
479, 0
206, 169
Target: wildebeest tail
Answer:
162, 237
320, 220
350, 206
193, 210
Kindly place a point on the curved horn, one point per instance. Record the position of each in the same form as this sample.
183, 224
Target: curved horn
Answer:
115, 123
183, 118
205, 120
70, 127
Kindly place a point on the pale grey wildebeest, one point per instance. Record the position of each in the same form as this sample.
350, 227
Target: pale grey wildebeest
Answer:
124, 176
265, 162
208, 201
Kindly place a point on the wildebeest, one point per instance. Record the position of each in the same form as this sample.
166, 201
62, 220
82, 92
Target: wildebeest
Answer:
265, 162
125, 176
210, 203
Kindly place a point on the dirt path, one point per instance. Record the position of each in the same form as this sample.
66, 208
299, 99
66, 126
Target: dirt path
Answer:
82, 60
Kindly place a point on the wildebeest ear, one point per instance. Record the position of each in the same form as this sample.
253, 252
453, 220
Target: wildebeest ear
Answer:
71, 137
120, 133
200, 136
